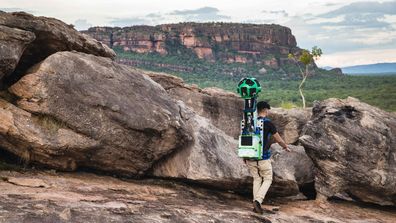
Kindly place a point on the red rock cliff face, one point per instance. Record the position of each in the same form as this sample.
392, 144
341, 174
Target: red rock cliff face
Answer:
230, 42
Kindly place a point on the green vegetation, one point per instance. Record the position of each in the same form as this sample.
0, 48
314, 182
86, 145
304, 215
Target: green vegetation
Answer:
377, 91
49, 123
278, 87
373, 74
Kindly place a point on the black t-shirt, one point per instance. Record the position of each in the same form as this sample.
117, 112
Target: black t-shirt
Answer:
269, 128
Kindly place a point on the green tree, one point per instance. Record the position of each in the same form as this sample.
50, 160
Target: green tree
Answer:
306, 58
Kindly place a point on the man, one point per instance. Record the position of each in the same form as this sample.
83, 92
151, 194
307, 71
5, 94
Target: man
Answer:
261, 168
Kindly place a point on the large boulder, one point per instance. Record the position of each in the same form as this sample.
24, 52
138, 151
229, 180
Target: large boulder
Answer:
12, 44
93, 113
211, 159
40, 139
223, 108
290, 122
52, 36
353, 146
292, 170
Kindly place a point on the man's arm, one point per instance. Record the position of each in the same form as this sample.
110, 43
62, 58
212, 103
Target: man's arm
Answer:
280, 141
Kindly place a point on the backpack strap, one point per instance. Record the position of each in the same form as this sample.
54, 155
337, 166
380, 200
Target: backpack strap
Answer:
269, 134
266, 151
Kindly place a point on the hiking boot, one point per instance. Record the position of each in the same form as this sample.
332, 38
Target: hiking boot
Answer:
257, 207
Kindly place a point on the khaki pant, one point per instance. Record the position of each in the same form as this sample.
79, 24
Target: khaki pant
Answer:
262, 177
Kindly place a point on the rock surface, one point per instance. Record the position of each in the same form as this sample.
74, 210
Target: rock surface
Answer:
12, 44
52, 36
353, 146
35, 138
82, 197
290, 122
292, 170
81, 110
211, 159
222, 108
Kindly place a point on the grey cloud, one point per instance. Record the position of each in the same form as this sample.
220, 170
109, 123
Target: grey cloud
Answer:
359, 22
331, 4
201, 14
82, 24
203, 10
123, 22
16, 10
278, 12
155, 15
363, 7
258, 21
347, 35
194, 15
361, 15
11, 9
149, 19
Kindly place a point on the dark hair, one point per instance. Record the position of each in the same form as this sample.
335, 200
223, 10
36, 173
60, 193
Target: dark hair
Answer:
262, 105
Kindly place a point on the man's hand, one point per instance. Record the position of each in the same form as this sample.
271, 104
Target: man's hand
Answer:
280, 141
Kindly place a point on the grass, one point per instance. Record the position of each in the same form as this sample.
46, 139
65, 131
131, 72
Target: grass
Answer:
288, 105
49, 123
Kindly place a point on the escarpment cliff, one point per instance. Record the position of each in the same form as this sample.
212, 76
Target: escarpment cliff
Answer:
227, 42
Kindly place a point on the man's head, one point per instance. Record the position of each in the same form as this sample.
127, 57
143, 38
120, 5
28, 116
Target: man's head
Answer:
263, 107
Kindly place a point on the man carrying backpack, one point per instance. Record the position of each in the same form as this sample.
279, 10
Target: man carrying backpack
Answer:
261, 169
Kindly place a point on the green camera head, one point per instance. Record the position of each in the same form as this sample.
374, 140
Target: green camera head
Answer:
248, 87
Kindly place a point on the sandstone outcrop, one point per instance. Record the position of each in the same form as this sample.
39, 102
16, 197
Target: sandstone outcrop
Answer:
227, 42
87, 111
51, 35
353, 147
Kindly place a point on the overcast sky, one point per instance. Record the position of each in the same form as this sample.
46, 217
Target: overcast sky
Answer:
349, 32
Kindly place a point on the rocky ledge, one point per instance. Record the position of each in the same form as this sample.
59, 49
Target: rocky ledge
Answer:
82, 197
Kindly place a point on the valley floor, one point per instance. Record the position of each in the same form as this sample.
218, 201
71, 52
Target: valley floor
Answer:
47, 196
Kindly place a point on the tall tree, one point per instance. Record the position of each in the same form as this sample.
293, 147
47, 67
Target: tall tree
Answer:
306, 58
